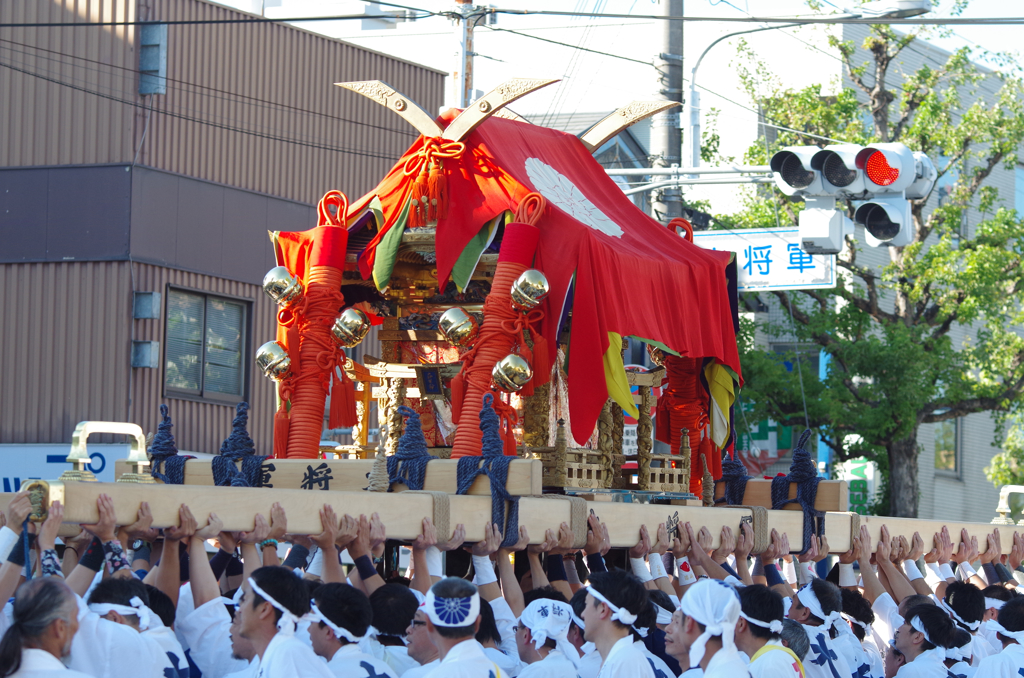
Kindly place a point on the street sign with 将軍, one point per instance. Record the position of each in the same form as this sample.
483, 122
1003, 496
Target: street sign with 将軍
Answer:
772, 259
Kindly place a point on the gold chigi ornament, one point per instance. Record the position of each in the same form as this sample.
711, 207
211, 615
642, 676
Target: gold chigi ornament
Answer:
273, 360
283, 287
511, 373
458, 327
351, 327
529, 290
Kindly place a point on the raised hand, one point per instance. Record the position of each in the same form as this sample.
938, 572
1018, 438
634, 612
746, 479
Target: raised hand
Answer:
661, 545
916, 548
594, 535
524, 540
490, 543
883, 551
550, 540
105, 528
19, 510
771, 554
278, 522
427, 538
213, 528
991, 550
1016, 552
142, 528
258, 533
606, 541
457, 540
51, 526
565, 540
811, 554
727, 544
681, 543
853, 555
643, 546
186, 528
348, 529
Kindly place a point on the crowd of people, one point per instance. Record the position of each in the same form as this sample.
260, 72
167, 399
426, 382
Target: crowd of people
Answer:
134, 601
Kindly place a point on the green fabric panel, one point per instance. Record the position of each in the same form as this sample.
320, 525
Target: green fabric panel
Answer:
387, 251
463, 269
656, 344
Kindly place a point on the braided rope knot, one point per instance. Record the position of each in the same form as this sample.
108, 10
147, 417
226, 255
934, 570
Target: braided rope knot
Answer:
804, 473
494, 464
734, 473
409, 463
238, 445
168, 465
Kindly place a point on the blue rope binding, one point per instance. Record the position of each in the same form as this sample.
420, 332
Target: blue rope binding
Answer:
734, 474
168, 466
237, 446
804, 473
408, 465
493, 464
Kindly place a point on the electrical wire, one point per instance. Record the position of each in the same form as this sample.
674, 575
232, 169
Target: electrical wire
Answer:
180, 116
565, 44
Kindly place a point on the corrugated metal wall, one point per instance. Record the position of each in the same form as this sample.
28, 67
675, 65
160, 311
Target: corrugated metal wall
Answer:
248, 105
198, 426
65, 355
82, 120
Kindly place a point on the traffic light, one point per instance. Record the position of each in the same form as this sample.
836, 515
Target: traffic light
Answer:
880, 179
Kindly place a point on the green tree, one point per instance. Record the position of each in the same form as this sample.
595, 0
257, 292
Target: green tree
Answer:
893, 365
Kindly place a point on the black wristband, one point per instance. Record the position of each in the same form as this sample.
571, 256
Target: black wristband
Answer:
991, 574
219, 562
595, 563
18, 554
93, 556
772, 575
296, 557
365, 567
556, 568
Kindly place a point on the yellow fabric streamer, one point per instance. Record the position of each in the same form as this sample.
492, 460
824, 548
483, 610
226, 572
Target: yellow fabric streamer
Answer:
723, 395
615, 376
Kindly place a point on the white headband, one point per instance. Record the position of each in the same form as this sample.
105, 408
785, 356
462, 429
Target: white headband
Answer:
917, 625
579, 622
550, 619
775, 625
994, 603
452, 612
853, 620
138, 608
288, 621
994, 625
809, 600
619, 614
338, 631
717, 606
952, 613
664, 616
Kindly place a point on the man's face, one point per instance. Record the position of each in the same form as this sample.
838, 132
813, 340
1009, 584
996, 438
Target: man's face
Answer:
591, 618
904, 638
420, 646
677, 641
894, 659
241, 648
248, 615
798, 612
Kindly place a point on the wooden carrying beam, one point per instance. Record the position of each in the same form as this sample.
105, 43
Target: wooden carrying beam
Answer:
833, 495
906, 527
350, 475
402, 514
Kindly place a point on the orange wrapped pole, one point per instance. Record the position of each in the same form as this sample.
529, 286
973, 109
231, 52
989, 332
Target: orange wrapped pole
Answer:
684, 403
319, 353
498, 338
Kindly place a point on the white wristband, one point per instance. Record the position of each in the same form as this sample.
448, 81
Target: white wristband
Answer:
805, 573
8, 538
934, 574
847, 577
789, 571
640, 570
911, 570
657, 566
483, 570
435, 566
967, 571
946, 571
686, 575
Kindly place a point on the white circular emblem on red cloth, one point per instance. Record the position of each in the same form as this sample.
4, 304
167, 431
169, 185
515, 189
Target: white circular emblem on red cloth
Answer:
554, 186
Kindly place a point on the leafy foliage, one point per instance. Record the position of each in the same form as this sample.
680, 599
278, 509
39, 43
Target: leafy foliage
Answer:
889, 332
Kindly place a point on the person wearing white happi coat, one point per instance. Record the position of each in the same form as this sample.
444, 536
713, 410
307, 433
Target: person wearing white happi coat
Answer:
543, 640
1009, 628
958, 657
45, 620
453, 618
758, 634
702, 632
342, 616
818, 606
922, 639
101, 646
420, 648
272, 602
614, 601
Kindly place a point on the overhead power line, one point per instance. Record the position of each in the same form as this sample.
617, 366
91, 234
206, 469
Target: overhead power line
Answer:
565, 44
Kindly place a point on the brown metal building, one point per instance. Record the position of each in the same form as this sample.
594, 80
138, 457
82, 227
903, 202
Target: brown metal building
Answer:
108, 196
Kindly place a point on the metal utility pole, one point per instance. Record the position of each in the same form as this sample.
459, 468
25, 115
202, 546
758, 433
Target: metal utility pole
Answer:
666, 142
462, 74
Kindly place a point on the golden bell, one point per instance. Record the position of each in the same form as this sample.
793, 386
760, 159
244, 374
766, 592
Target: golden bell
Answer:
282, 286
273, 360
458, 327
351, 327
511, 373
656, 354
529, 289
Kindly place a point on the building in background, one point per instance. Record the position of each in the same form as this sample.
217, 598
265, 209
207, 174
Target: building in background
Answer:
141, 168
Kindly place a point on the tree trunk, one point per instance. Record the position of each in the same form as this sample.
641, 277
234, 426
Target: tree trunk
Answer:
903, 476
